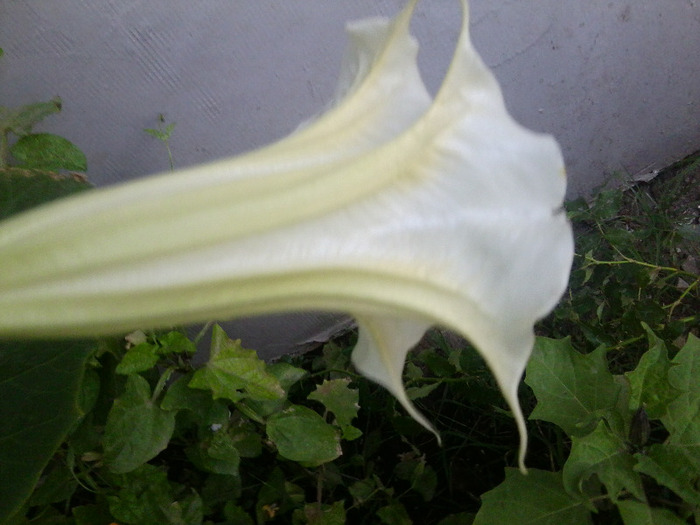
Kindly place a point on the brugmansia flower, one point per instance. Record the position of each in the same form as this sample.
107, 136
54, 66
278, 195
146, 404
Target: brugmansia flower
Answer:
401, 210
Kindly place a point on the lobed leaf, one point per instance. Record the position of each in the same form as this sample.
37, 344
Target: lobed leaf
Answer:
537, 499
234, 373
604, 454
573, 390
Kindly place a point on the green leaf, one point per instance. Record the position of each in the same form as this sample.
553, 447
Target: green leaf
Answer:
394, 514
21, 189
602, 453
217, 453
147, 497
649, 384
92, 514
45, 151
573, 390
637, 513
343, 401
669, 467
682, 419
20, 120
175, 342
607, 205
301, 435
137, 428
180, 396
538, 498
422, 476
39, 389
419, 392
139, 358
313, 514
234, 373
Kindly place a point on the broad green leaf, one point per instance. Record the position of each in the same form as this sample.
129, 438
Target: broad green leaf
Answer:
217, 453
682, 419
259, 409
301, 435
604, 454
139, 358
637, 513
649, 383
45, 151
180, 396
21, 189
670, 467
21, 120
175, 342
39, 389
137, 428
234, 373
573, 390
539, 498
343, 401
146, 497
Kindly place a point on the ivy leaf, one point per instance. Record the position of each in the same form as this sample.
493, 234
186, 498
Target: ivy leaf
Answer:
602, 453
300, 434
46, 151
537, 499
343, 401
39, 389
235, 373
573, 390
637, 513
649, 384
137, 428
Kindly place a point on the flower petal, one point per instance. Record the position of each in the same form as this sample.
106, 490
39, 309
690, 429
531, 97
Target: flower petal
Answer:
401, 212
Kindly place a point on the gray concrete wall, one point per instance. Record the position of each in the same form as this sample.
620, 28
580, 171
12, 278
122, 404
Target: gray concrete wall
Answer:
616, 81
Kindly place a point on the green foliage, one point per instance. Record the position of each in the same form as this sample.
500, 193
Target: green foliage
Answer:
36, 151
39, 388
146, 429
45, 151
620, 392
163, 133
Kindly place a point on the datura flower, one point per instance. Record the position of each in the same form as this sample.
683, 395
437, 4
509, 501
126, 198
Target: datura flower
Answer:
403, 210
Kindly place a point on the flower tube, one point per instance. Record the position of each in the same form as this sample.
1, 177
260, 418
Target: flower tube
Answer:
401, 210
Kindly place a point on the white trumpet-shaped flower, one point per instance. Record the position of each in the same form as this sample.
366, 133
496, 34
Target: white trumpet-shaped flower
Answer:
401, 210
